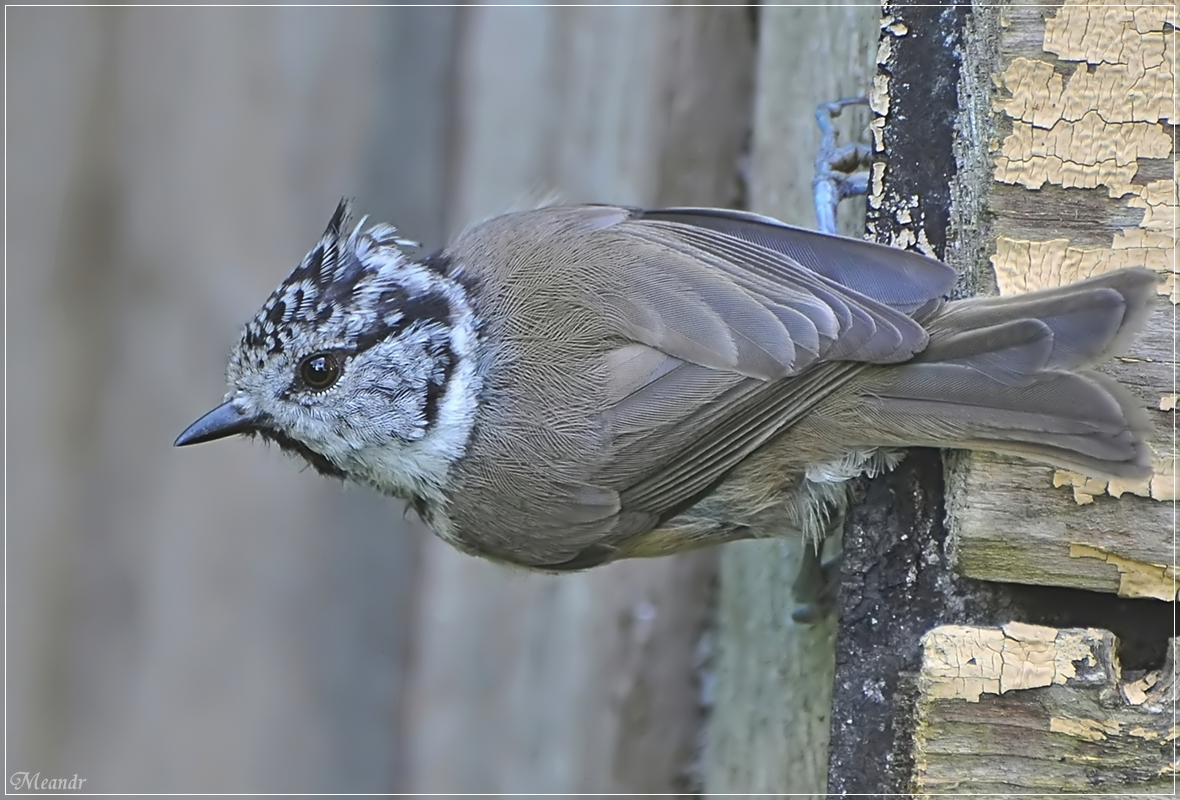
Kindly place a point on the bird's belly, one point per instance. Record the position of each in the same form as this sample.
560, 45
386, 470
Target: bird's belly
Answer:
774, 493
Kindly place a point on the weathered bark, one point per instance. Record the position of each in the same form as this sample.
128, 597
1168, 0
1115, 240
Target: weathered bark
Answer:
939, 117
1079, 180
1025, 708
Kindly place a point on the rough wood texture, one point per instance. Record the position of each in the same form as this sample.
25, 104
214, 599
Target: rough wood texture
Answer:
1079, 180
898, 580
896, 583
1025, 708
768, 731
577, 683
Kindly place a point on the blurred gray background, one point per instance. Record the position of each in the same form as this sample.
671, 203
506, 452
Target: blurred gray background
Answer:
214, 619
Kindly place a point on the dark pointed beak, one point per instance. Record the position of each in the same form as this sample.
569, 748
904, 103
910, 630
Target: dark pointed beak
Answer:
225, 420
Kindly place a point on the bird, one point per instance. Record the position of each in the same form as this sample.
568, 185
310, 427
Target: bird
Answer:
564, 387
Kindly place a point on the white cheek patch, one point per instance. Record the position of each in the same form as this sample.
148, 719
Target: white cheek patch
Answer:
407, 402
421, 467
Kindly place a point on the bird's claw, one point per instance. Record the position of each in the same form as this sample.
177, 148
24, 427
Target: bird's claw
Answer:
817, 585
840, 170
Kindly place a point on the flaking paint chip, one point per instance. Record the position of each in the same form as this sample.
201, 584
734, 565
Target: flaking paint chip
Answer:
1136, 578
965, 662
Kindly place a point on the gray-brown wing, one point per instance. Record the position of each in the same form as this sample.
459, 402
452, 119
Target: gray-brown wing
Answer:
720, 343
728, 303
680, 424
904, 280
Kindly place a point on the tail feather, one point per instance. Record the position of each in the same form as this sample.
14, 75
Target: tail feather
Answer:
1090, 321
1080, 420
1012, 352
1010, 375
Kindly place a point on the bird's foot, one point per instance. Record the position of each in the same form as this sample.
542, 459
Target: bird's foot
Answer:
817, 585
840, 170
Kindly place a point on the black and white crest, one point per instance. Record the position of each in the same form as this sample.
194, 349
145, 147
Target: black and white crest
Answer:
326, 285
395, 342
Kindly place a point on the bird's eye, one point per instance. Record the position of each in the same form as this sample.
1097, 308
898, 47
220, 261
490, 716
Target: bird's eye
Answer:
320, 371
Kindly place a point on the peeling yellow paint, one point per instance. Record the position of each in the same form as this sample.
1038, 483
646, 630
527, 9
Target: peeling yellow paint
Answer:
904, 239
1160, 485
908, 213
965, 662
876, 184
1135, 694
1168, 402
896, 27
879, 95
1135, 697
1084, 487
1089, 126
879, 103
1091, 131
1084, 154
1090, 729
877, 129
1136, 578
924, 245
1158, 199
1110, 34
1041, 96
1080, 731
1025, 266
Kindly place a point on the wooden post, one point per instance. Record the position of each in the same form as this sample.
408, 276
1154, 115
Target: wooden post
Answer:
1081, 181
1026, 708
1048, 128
